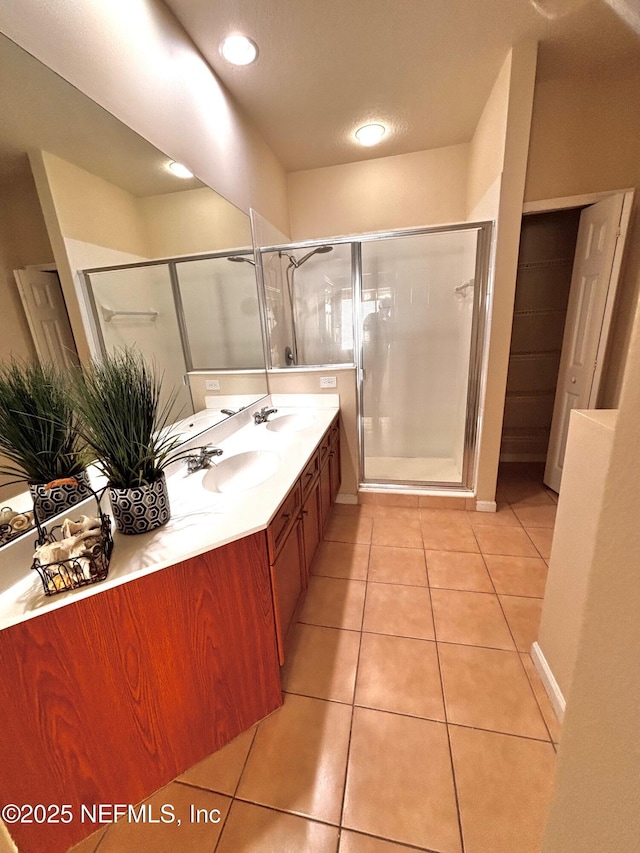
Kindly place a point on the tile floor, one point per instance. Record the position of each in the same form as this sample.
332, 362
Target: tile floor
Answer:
413, 719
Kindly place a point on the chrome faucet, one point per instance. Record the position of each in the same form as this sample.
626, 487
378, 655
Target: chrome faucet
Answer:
262, 416
203, 459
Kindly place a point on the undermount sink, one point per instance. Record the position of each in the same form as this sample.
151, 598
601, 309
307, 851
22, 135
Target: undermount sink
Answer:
291, 423
241, 471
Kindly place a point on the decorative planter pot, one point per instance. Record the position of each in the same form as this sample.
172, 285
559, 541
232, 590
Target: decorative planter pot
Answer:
141, 508
50, 502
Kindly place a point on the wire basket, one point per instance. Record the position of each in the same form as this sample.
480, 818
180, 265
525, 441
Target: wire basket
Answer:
74, 572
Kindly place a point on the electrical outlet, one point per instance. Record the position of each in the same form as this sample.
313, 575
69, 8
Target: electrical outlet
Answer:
328, 382
212, 384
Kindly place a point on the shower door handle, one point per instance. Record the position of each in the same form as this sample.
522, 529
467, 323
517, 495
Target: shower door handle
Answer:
363, 374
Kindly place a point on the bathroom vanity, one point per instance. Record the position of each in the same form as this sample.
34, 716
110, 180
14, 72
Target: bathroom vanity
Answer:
110, 691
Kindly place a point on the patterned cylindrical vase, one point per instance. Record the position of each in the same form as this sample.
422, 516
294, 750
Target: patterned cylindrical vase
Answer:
48, 502
141, 508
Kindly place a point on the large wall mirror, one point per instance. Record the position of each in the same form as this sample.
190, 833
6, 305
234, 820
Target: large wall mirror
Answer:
80, 190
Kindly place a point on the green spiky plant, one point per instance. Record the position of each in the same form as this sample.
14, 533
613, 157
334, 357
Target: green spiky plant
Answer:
124, 420
39, 436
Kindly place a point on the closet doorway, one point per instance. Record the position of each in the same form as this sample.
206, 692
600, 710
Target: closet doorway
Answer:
568, 270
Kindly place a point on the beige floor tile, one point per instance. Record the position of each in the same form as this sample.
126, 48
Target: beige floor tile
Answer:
353, 510
354, 842
433, 502
253, 829
401, 675
401, 610
542, 538
488, 689
90, 843
526, 494
523, 616
196, 836
553, 724
341, 560
399, 781
390, 529
449, 537
298, 759
396, 515
448, 517
321, 662
543, 515
388, 564
470, 618
504, 516
510, 541
504, 786
388, 499
347, 528
221, 770
458, 570
334, 603
517, 575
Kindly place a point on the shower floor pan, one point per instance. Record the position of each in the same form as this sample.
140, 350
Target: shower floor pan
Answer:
419, 468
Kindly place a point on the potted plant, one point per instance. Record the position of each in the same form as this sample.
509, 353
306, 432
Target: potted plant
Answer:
124, 422
39, 436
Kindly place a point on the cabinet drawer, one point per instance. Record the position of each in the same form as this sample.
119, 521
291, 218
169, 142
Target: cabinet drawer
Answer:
309, 474
288, 512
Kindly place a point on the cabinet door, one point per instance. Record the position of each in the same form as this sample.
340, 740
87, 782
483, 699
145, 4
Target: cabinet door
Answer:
311, 527
287, 578
334, 470
325, 493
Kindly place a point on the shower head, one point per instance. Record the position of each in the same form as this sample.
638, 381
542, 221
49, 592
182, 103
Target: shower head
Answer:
238, 259
295, 262
319, 250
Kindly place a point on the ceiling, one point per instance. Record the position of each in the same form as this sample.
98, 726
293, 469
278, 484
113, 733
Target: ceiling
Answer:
424, 67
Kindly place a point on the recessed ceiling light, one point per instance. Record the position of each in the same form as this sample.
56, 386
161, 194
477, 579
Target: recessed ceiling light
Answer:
370, 134
179, 170
239, 50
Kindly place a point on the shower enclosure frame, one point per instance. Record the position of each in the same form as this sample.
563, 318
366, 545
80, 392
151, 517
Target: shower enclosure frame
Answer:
479, 323
480, 317
171, 264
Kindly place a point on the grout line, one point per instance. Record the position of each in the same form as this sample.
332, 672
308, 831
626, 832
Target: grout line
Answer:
353, 700
446, 723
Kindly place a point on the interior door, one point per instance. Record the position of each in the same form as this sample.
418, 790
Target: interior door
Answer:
47, 316
593, 285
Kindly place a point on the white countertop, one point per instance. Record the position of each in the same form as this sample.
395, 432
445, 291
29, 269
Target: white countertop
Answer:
200, 520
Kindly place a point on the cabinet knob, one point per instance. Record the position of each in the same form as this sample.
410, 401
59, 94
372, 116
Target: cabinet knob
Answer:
573, 380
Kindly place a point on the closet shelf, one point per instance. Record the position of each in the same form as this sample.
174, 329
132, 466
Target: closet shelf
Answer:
540, 265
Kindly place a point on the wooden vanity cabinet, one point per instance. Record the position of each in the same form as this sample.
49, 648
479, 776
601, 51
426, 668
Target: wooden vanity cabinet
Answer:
296, 530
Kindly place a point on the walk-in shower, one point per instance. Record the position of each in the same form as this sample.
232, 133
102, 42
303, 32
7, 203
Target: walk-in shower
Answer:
408, 309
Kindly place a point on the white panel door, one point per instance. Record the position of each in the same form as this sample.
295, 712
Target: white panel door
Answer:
47, 316
591, 283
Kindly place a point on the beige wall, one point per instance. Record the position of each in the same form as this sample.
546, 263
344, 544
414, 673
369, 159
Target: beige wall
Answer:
585, 138
244, 383
583, 479
595, 806
93, 210
408, 190
23, 241
299, 381
520, 82
486, 150
136, 61
193, 221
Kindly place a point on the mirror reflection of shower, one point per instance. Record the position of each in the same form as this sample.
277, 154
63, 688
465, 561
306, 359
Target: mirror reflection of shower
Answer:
292, 355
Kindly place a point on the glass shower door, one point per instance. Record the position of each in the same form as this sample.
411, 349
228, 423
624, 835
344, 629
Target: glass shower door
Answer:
417, 324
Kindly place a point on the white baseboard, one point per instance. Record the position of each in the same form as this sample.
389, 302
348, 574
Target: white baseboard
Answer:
486, 506
550, 684
346, 499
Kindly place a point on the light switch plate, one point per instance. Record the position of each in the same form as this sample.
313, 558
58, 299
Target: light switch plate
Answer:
212, 384
328, 382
